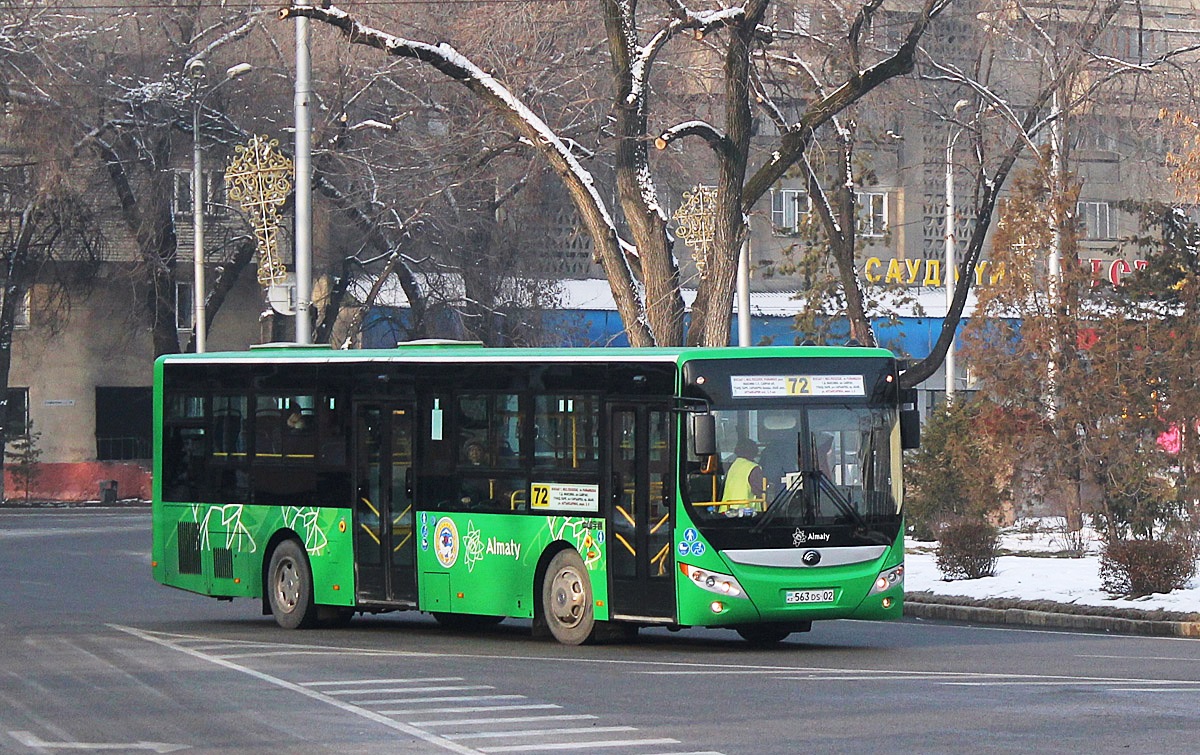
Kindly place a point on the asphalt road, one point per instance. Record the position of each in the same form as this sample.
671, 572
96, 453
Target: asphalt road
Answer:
96, 657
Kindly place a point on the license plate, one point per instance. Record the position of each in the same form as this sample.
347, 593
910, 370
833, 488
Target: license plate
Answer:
808, 596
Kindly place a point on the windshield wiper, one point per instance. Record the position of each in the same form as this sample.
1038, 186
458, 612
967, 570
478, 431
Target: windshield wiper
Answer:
847, 510
782, 501
821, 484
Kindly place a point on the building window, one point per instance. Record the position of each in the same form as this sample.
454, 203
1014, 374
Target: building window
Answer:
185, 308
214, 193
14, 183
1096, 220
1137, 43
23, 314
123, 423
1099, 134
872, 213
16, 416
788, 208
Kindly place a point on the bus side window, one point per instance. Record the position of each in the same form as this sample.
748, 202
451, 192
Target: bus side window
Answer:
332, 431
228, 475
566, 432
268, 426
184, 449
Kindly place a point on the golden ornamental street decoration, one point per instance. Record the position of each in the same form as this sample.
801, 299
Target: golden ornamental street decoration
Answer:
260, 179
695, 221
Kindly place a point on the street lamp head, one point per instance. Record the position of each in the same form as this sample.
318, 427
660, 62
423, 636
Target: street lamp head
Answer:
195, 67
234, 71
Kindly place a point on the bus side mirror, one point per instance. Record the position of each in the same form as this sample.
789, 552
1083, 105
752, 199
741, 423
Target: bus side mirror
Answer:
704, 435
910, 420
910, 428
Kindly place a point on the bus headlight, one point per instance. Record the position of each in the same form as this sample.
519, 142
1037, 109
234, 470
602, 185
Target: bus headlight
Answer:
886, 580
721, 584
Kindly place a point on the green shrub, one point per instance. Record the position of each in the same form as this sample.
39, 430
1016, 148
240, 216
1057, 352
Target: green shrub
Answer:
1140, 567
967, 548
959, 470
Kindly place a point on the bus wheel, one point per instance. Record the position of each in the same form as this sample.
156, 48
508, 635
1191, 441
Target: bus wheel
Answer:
763, 634
289, 587
567, 599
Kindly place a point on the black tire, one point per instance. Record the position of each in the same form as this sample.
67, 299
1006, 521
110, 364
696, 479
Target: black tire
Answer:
466, 621
567, 599
290, 588
763, 635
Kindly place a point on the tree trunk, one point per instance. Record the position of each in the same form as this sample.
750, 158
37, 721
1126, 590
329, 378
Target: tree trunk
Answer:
16, 271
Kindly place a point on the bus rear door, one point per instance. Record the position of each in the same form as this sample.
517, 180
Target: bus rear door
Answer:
639, 519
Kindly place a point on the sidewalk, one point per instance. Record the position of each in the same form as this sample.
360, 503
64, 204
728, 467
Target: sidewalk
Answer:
1050, 615
1036, 584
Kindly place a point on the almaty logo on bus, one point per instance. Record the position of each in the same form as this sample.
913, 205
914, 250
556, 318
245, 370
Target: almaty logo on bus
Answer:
445, 538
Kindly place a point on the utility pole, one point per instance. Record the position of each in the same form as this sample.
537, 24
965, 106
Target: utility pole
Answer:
195, 68
743, 293
951, 264
303, 183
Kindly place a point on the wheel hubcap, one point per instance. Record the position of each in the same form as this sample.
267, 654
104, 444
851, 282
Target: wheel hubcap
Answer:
287, 586
568, 597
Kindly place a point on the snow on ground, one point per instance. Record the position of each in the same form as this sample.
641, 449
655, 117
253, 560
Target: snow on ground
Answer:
1032, 577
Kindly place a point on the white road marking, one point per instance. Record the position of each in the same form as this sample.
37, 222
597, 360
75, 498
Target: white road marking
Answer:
1167, 658
334, 693
579, 745
542, 732
512, 720
395, 690
370, 715
442, 699
366, 682
1153, 689
471, 709
30, 740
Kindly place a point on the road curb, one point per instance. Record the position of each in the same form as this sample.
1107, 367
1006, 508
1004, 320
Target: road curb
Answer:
123, 503
921, 607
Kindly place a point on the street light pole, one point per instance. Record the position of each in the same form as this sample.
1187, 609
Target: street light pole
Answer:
951, 261
195, 68
743, 293
303, 183
200, 327
950, 367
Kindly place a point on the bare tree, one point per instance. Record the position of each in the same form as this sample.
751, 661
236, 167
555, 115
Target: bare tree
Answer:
1074, 73
642, 272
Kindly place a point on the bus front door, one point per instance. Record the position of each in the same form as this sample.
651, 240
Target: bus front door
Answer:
384, 550
639, 548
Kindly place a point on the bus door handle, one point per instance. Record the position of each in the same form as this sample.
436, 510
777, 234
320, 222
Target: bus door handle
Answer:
408, 483
616, 487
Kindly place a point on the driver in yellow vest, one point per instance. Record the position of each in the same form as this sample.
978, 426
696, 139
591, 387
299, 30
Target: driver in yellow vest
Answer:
745, 481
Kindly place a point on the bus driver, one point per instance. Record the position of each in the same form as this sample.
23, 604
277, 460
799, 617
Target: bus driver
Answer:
745, 481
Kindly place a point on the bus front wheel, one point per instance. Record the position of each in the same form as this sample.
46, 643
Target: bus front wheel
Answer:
567, 599
290, 588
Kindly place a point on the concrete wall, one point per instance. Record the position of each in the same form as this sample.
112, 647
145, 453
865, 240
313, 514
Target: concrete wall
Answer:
103, 341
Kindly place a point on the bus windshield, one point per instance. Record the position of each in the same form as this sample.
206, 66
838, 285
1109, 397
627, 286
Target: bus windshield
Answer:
806, 466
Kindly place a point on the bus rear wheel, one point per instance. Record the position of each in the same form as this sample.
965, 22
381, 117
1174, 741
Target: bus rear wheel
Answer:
567, 599
290, 588
763, 635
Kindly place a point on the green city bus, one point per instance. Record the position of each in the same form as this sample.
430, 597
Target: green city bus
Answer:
584, 489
